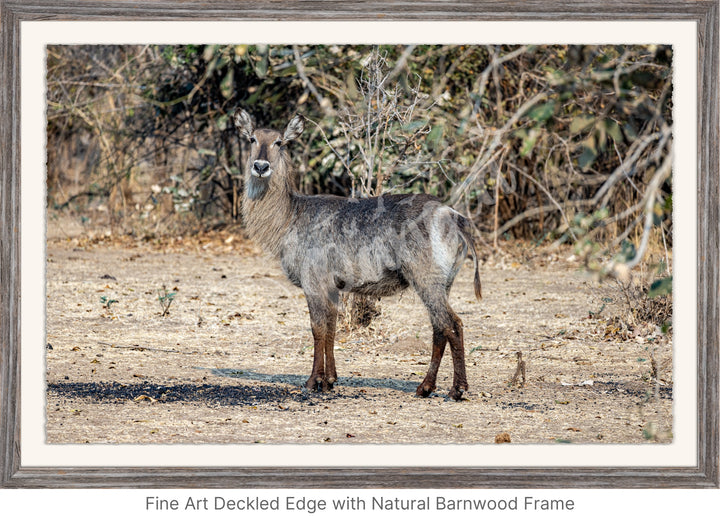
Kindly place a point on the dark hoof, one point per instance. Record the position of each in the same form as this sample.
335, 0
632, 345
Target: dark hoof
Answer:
456, 393
314, 383
424, 390
327, 385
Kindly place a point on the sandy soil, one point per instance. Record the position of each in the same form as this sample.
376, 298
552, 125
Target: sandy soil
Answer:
228, 362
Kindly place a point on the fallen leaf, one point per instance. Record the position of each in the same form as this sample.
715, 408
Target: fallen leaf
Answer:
143, 397
502, 437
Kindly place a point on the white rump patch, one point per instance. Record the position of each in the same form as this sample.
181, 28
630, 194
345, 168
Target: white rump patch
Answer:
443, 233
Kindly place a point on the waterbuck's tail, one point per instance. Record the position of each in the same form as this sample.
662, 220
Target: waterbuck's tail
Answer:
466, 232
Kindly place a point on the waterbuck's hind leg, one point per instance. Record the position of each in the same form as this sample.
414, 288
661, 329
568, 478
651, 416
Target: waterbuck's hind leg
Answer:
428, 384
447, 328
457, 349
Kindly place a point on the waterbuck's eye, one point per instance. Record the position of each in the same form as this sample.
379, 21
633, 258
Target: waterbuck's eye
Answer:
277, 143
253, 140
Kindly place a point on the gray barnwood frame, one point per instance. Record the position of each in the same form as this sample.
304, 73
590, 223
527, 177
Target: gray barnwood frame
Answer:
703, 12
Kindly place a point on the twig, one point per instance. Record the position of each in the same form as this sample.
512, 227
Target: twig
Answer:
498, 137
541, 209
324, 104
140, 348
497, 197
399, 65
621, 171
650, 195
552, 199
327, 141
519, 371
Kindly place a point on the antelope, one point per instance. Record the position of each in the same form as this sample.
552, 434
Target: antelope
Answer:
374, 246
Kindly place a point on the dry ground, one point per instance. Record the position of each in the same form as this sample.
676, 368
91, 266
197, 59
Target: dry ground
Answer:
228, 363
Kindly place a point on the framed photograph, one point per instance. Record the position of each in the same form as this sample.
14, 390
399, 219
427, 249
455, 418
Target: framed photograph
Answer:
180, 299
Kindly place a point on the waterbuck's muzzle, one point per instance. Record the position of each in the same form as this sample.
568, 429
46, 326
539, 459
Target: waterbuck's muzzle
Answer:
261, 168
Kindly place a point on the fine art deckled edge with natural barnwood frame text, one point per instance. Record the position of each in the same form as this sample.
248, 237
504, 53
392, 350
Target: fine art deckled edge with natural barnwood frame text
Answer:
704, 474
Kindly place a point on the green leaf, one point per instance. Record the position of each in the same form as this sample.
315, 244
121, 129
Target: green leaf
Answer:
261, 67
601, 136
209, 52
290, 71
435, 136
222, 122
240, 51
529, 142
661, 287
658, 214
542, 112
630, 132
601, 214
211, 66
589, 154
581, 123
415, 125
668, 204
627, 251
255, 96
556, 77
613, 129
227, 85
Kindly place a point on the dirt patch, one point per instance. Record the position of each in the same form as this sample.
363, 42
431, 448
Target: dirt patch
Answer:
228, 362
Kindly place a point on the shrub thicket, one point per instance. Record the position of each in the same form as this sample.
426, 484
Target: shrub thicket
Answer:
558, 143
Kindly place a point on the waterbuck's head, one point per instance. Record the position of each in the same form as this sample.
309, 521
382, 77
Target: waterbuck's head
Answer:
268, 154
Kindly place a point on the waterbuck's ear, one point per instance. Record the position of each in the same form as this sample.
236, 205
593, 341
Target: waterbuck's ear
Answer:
244, 124
294, 129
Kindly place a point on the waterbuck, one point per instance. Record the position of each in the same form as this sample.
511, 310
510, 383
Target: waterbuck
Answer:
374, 246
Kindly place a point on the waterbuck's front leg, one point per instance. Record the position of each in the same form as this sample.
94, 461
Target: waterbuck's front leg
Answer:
318, 368
323, 317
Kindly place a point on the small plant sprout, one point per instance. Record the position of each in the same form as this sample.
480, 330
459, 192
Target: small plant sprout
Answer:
166, 299
107, 303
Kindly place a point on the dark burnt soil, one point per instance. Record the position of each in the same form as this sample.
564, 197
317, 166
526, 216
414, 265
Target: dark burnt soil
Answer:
208, 394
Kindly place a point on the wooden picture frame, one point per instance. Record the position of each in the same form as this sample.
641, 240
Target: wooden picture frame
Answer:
704, 474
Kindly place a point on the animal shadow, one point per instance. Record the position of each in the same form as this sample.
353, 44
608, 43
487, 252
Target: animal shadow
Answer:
299, 380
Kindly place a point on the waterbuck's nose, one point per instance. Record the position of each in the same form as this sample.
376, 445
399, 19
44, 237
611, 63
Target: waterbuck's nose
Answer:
261, 168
